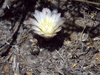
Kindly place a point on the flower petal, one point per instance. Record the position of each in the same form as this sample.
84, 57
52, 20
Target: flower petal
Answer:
58, 29
42, 18
48, 36
48, 11
37, 15
53, 18
54, 11
36, 28
61, 21
44, 11
39, 33
47, 23
43, 14
34, 22
57, 17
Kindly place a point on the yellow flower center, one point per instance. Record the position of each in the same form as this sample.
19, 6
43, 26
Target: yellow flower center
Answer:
45, 28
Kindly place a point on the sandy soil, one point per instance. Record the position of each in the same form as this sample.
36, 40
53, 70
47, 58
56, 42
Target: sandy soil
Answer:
74, 51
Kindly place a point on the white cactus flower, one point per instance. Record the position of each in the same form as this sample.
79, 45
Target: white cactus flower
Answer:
46, 23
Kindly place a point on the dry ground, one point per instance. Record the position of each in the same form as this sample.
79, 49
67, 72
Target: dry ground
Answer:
74, 51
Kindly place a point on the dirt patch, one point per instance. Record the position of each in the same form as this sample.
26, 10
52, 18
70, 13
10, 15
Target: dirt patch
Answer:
74, 51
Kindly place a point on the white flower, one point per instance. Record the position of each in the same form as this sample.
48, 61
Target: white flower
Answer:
46, 23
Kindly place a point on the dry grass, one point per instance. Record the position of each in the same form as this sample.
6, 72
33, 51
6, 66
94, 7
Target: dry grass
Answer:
74, 51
